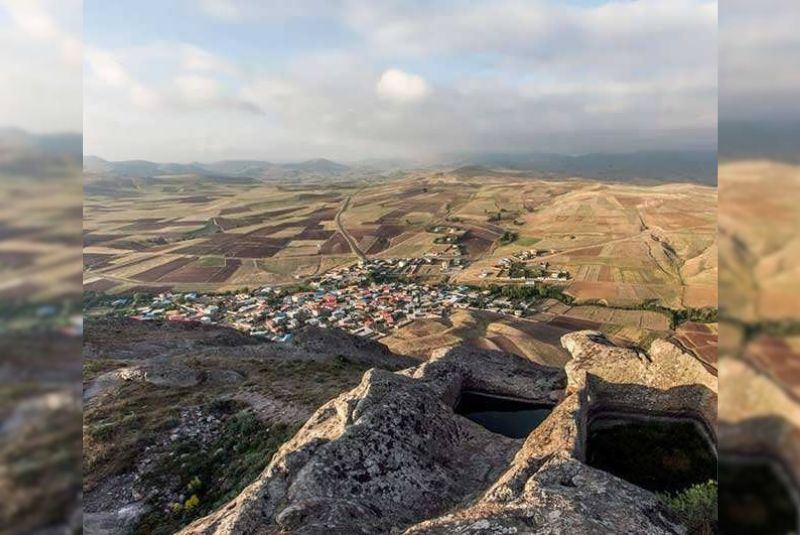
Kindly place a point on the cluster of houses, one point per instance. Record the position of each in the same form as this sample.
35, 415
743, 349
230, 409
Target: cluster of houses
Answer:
530, 254
519, 267
359, 299
389, 269
374, 269
51, 315
451, 237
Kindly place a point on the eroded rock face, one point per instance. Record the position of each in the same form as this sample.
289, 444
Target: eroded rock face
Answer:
563, 496
758, 418
356, 349
387, 454
391, 456
664, 381
452, 370
165, 369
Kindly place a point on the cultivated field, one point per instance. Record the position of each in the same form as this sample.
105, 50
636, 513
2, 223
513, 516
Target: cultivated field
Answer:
39, 235
622, 244
701, 340
538, 338
230, 237
759, 252
759, 245
533, 340
779, 359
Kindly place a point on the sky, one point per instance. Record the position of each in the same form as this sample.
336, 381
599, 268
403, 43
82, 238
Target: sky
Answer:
759, 47
205, 80
759, 81
40, 53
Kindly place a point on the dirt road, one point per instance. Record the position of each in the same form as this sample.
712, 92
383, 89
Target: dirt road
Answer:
350, 240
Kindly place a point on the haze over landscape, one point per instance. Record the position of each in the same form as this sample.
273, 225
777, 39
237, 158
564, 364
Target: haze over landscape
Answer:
759, 111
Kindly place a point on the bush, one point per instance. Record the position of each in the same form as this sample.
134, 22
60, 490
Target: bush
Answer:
194, 485
695, 507
191, 503
508, 237
530, 293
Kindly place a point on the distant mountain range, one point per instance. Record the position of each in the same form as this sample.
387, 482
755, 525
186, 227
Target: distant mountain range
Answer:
680, 166
67, 143
675, 166
226, 168
764, 139
319, 165
35, 155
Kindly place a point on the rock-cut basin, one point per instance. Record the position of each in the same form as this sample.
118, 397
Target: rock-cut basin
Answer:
510, 417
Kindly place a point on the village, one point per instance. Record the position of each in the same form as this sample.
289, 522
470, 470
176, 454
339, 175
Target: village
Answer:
517, 268
370, 299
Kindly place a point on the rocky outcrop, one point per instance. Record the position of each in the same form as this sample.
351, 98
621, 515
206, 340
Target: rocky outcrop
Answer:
547, 489
156, 341
386, 454
320, 341
392, 456
125, 338
153, 351
452, 370
180, 377
40, 432
563, 496
759, 419
664, 381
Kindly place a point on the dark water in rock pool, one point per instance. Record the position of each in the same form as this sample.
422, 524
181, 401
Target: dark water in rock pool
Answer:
754, 497
658, 455
509, 417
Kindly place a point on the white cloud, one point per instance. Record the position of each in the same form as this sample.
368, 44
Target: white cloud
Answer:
197, 90
107, 68
267, 93
194, 80
245, 11
398, 86
758, 77
194, 58
31, 17
506, 75
225, 10
144, 97
38, 20
41, 58
72, 50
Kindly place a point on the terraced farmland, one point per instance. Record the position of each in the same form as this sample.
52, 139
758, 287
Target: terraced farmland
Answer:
622, 244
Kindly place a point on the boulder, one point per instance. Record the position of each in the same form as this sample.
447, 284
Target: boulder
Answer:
162, 373
393, 456
758, 418
563, 496
319, 341
664, 381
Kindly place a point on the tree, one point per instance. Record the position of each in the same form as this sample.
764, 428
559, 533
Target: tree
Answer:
508, 237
